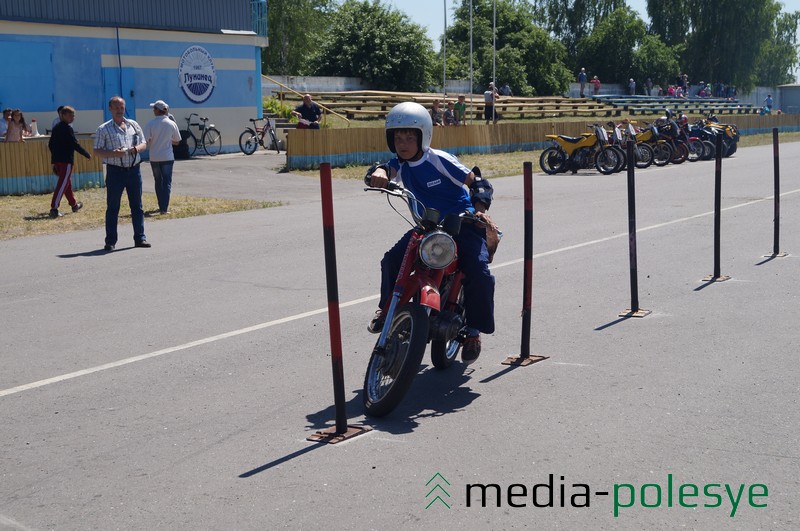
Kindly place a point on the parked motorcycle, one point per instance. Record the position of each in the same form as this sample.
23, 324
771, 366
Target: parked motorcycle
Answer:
426, 305
662, 150
731, 135
581, 152
642, 152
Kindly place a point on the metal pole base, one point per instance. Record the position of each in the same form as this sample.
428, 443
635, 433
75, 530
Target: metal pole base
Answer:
779, 255
712, 278
523, 361
329, 435
638, 313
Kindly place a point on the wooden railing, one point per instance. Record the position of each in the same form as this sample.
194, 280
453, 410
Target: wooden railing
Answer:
291, 90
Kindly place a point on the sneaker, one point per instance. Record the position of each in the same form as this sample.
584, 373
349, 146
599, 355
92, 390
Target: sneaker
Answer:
376, 325
471, 349
108, 247
142, 243
77, 206
54, 213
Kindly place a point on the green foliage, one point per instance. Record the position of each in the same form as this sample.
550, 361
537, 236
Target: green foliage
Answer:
527, 57
669, 20
274, 106
293, 27
376, 43
655, 60
778, 59
570, 21
609, 50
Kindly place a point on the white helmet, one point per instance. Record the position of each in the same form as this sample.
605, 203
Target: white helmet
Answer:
409, 115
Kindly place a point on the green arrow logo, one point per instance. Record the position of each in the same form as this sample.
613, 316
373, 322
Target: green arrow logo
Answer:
437, 493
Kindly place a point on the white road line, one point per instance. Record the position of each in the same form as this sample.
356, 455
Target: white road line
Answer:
233, 333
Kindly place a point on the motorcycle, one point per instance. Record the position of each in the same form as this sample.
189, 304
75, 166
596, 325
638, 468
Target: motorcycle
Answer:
669, 132
426, 306
662, 150
730, 133
642, 152
581, 152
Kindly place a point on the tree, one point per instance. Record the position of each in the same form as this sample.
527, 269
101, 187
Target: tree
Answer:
572, 20
609, 50
292, 37
527, 57
669, 20
655, 60
376, 43
778, 59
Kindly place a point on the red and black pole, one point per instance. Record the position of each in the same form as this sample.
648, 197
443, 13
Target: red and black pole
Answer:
525, 357
341, 431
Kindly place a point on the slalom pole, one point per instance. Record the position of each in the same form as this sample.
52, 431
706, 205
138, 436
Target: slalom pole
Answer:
634, 310
341, 431
716, 276
525, 358
776, 253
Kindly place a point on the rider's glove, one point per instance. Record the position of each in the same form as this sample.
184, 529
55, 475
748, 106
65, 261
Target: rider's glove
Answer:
481, 190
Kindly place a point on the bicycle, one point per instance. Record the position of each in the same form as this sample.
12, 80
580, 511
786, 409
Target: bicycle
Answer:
210, 137
249, 140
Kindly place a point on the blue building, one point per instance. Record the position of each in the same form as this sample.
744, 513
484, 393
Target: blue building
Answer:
202, 56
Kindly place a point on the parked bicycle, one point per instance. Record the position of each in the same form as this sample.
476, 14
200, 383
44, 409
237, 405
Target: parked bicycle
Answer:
252, 137
208, 136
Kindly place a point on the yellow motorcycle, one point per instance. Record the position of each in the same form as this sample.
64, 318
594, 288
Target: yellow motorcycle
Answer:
573, 153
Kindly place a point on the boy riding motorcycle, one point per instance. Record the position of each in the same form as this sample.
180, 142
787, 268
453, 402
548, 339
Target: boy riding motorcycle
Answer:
439, 181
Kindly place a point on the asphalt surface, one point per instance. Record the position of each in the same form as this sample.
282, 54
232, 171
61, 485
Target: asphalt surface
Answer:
174, 387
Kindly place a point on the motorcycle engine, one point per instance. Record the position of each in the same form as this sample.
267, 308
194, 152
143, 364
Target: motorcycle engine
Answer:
445, 326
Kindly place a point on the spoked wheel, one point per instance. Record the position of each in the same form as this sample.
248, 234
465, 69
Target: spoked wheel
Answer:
274, 138
191, 145
606, 161
644, 155
663, 154
622, 158
390, 373
248, 142
443, 353
212, 141
680, 153
553, 161
696, 150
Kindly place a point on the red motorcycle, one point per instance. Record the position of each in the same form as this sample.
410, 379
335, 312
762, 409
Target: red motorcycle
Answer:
426, 305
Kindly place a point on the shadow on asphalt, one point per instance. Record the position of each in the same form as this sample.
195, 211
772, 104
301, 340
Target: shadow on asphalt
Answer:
96, 252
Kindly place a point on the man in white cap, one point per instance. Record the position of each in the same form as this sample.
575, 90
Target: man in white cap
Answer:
161, 134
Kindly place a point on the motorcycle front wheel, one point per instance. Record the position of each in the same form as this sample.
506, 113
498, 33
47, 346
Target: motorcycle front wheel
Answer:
696, 150
553, 161
390, 373
663, 154
607, 161
644, 155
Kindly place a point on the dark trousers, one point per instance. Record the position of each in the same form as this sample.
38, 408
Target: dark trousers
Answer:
64, 185
120, 179
473, 259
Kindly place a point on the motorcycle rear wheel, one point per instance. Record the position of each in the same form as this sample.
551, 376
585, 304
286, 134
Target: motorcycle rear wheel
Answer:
680, 153
443, 353
553, 161
389, 375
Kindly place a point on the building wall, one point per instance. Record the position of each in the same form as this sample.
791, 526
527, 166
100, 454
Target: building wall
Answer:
47, 65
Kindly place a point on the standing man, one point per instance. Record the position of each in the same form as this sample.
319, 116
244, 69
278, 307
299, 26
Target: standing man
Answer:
489, 98
63, 146
119, 142
161, 134
582, 81
632, 87
308, 113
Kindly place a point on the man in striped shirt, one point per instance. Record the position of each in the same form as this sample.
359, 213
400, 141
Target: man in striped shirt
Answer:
119, 142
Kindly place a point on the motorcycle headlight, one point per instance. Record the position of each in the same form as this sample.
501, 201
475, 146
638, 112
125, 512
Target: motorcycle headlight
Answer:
437, 250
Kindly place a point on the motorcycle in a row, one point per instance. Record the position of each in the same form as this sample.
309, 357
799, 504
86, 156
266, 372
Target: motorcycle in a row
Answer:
660, 143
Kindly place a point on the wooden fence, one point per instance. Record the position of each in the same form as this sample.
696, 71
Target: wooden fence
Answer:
25, 167
342, 147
